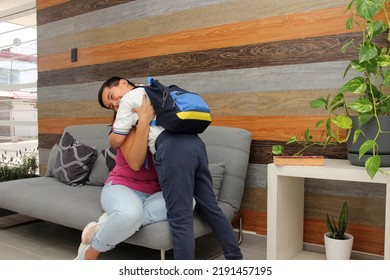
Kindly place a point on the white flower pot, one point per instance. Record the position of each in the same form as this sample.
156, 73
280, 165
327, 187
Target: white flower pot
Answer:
337, 249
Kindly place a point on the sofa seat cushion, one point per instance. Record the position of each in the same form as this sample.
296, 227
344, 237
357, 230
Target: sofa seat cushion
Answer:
48, 199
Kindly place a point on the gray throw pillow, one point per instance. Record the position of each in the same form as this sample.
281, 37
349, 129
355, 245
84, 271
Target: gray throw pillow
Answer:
99, 172
51, 161
74, 161
217, 171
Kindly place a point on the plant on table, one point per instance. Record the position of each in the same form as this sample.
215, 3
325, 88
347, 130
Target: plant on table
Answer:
365, 95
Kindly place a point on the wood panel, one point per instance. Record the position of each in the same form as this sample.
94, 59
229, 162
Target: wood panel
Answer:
309, 24
261, 151
56, 126
276, 128
133, 26
66, 9
43, 4
297, 51
229, 104
366, 239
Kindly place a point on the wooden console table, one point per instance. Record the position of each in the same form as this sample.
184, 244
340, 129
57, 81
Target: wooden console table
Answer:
285, 203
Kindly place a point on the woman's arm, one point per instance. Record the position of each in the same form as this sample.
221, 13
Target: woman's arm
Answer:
135, 147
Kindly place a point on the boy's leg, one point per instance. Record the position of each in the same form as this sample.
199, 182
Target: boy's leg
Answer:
175, 170
208, 209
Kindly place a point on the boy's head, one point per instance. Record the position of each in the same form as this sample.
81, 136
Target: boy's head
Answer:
112, 90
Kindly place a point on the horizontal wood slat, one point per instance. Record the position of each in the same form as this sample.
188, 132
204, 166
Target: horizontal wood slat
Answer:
56, 126
282, 103
297, 51
43, 4
66, 9
310, 24
276, 128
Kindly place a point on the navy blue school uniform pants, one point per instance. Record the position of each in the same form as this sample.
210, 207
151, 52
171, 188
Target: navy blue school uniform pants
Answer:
182, 168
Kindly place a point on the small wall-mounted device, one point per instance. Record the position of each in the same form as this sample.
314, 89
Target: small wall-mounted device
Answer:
73, 55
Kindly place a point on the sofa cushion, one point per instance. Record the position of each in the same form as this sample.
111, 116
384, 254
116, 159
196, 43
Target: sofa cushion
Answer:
74, 161
217, 170
99, 172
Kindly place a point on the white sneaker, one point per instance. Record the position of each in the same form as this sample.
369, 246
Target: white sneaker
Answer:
81, 251
89, 232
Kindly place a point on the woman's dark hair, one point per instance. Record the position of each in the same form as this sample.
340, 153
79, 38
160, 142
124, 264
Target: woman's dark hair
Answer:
109, 83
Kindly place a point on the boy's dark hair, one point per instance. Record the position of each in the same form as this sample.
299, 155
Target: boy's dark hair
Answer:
109, 83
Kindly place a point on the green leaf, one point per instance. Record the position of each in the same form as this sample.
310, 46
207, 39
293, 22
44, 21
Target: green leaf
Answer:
348, 25
277, 150
384, 60
360, 67
363, 119
355, 85
356, 135
372, 165
361, 105
293, 139
318, 103
375, 28
387, 78
343, 220
366, 146
367, 52
346, 45
319, 123
368, 8
307, 135
339, 96
342, 121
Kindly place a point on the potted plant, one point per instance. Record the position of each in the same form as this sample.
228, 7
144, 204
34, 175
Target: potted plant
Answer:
338, 243
359, 111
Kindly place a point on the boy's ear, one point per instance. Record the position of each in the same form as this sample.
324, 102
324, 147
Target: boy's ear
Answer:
123, 82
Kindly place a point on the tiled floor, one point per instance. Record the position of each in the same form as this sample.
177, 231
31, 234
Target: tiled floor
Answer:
47, 241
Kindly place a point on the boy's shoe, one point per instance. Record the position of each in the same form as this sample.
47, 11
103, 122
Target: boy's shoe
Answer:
89, 232
81, 251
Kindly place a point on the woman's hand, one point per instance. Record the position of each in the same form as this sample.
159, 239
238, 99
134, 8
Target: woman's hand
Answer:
146, 112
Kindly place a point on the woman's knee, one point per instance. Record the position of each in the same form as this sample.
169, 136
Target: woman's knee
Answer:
129, 217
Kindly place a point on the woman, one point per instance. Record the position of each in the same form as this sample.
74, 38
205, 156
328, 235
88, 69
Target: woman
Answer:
182, 167
131, 196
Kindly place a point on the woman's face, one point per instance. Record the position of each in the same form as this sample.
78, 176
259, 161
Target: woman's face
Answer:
112, 96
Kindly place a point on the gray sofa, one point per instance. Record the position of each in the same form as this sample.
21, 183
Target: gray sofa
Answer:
48, 199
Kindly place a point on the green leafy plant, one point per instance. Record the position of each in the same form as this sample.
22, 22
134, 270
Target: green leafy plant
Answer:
18, 166
338, 230
365, 95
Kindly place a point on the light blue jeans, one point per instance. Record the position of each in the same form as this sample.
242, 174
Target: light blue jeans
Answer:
127, 211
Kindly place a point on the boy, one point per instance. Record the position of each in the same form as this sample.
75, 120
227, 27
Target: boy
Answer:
182, 169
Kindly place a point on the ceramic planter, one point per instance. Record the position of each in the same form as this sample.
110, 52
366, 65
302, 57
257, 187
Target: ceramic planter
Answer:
337, 249
370, 129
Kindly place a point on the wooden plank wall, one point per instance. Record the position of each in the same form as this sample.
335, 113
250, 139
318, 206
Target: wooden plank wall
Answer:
258, 63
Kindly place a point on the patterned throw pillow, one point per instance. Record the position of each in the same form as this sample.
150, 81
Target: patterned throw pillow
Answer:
74, 161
